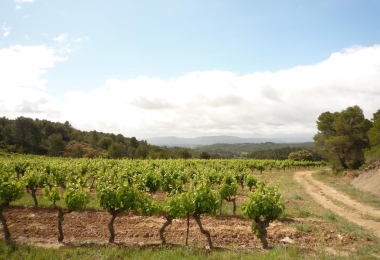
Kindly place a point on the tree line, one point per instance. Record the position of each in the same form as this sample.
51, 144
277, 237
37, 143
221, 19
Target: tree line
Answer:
283, 153
42, 137
263, 150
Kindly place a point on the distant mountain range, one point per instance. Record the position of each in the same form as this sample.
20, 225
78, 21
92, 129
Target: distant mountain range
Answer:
224, 139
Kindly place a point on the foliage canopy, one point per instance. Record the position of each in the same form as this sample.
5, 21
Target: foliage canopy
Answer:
342, 136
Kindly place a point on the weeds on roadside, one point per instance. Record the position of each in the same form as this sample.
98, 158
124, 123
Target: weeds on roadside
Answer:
303, 228
331, 216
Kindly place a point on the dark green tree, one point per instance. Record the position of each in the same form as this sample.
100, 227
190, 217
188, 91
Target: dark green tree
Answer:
342, 136
76, 135
49, 129
26, 134
205, 155
105, 142
373, 153
1, 133
184, 154
303, 155
64, 130
77, 151
142, 151
55, 145
120, 139
115, 151
92, 137
131, 152
133, 142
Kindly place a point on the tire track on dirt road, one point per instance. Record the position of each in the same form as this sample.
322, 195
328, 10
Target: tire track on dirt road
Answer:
324, 195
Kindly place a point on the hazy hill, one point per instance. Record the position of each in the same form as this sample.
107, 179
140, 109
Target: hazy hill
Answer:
221, 139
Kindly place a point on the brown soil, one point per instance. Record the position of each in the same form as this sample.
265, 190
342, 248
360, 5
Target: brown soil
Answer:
38, 226
346, 207
369, 179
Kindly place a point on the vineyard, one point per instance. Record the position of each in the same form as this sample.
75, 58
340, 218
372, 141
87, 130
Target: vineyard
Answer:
212, 203
190, 188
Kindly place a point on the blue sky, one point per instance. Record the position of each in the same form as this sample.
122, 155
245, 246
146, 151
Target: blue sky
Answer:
189, 68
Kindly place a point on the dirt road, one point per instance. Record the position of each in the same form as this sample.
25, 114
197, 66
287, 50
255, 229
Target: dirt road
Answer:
340, 204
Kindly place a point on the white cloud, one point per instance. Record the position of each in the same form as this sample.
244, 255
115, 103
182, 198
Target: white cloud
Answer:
21, 82
24, 66
209, 102
220, 102
61, 38
6, 30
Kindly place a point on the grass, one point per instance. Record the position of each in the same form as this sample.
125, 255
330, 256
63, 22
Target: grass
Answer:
298, 197
227, 209
304, 227
304, 214
27, 200
15, 251
331, 216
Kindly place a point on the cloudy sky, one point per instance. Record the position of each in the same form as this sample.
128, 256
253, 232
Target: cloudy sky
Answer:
189, 67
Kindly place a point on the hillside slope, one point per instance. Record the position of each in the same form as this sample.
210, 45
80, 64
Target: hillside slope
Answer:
221, 139
369, 179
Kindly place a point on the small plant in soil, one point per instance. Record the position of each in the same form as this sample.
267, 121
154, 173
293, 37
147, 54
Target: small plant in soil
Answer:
176, 206
205, 202
251, 181
331, 217
118, 195
75, 198
263, 206
303, 228
227, 191
240, 177
115, 199
20, 168
11, 189
33, 180
199, 199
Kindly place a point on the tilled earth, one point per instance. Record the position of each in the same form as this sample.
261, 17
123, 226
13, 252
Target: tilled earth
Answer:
38, 226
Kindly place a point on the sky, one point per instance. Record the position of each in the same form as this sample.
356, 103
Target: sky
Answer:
189, 68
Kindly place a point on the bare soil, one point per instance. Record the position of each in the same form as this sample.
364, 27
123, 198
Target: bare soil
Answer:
369, 179
38, 226
340, 204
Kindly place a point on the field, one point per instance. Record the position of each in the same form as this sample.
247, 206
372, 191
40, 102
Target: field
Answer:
306, 229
